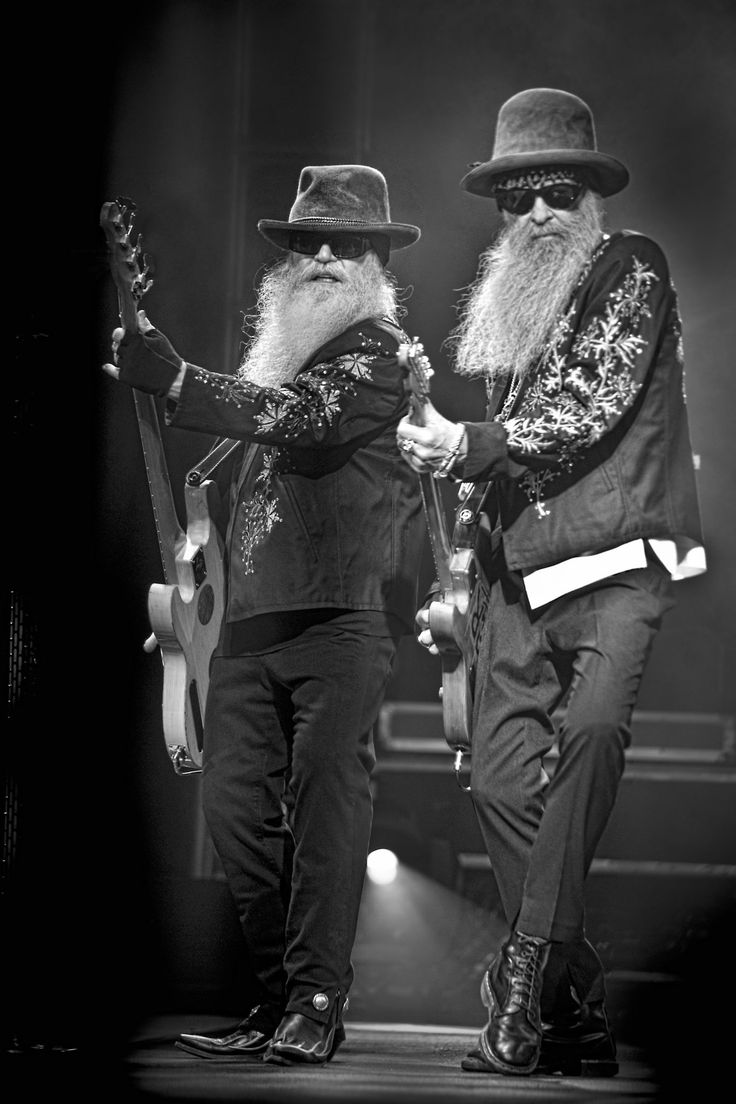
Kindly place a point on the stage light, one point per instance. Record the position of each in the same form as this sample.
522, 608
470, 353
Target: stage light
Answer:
382, 866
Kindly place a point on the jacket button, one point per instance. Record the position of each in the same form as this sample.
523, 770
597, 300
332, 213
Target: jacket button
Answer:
321, 1001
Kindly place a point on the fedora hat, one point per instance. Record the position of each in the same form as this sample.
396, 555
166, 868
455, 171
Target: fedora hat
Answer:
343, 199
543, 127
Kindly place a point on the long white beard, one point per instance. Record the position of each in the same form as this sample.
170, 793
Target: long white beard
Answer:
294, 317
522, 287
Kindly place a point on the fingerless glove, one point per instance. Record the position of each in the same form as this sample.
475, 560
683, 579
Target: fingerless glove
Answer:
148, 362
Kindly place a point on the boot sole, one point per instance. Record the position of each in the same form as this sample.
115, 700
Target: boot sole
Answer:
575, 1066
582, 1067
222, 1055
591, 1057
569, 1066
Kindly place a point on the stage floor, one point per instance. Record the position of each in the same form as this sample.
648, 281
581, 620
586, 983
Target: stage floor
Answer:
379, 1062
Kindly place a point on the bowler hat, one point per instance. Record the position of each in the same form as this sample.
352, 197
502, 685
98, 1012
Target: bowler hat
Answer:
344, 199
543, 127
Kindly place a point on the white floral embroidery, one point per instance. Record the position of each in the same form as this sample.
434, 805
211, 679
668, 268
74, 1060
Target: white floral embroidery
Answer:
321, 391
677, 329
259, 513
566, 409
317, 403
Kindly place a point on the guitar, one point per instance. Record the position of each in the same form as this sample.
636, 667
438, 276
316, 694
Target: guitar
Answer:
457, 615
186, 611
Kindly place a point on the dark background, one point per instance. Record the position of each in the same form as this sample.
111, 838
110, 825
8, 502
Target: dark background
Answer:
205, 113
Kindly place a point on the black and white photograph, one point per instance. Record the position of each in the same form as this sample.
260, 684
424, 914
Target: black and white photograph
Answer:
371, 610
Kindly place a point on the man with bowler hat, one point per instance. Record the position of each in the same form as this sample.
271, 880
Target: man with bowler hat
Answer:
324, 533
593, 510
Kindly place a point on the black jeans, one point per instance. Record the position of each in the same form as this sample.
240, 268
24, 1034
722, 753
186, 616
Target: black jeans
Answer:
288, 756
541, 833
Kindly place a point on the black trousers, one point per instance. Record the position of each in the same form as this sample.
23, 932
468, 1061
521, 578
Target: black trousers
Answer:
288, 756
541, 833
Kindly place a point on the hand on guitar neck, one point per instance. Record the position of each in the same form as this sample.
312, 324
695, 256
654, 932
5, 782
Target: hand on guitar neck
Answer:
427, 439
146, 359
430, 443
143, 357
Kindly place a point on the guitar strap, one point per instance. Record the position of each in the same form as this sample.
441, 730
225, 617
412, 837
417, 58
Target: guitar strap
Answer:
217, 454
471, 503
390, 327
472, 531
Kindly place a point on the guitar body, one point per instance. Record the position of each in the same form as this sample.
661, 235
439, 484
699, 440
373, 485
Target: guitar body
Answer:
455, 621
185, 619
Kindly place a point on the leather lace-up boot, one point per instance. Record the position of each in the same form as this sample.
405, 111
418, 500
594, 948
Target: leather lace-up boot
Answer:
511, 1040
576, 1035
579, 1044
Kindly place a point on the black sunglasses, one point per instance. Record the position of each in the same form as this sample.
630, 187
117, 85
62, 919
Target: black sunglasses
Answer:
519, 201
346, 247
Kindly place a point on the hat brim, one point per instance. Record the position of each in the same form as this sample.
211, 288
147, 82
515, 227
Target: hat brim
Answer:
400, 234
607, 175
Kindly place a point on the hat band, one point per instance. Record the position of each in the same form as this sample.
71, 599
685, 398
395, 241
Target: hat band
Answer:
333, 221
537, 178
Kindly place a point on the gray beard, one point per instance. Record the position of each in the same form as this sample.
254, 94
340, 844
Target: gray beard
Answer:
523, 286
293, 318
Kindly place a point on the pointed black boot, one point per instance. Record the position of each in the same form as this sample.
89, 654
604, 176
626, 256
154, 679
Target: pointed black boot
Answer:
299, 1038
248, 1039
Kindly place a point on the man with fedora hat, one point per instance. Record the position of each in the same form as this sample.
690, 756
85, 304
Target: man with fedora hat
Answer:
593, 512
324, 533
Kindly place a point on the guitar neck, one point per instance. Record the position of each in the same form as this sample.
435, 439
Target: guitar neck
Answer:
168, 530
411, 357
439, 538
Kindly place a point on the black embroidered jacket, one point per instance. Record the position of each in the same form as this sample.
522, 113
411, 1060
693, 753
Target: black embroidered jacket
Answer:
596, 450
327, 515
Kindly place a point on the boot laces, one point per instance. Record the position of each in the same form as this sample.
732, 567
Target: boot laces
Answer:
525, 977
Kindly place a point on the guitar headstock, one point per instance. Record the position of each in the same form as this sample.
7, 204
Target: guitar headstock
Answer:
129, 265
413, 360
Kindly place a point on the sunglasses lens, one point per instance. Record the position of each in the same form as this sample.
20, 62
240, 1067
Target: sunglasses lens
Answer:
518, 201
301, 242
348, 246
343, 246
561, 196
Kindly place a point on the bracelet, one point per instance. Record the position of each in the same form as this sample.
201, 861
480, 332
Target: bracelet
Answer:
443, 470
